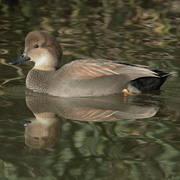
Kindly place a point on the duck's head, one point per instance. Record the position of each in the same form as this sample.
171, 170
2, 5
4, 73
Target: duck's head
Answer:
43, 49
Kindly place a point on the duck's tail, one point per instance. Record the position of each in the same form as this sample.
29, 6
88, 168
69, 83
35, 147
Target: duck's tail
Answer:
148, 83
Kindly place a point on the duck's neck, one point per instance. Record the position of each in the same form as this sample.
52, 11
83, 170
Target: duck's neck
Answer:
44, 67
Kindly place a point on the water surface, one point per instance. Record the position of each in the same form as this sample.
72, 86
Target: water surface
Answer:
116, 137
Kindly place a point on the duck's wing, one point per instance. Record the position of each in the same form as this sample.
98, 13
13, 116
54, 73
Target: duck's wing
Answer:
89, 69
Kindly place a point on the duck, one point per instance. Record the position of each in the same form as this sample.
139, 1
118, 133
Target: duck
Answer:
85, 77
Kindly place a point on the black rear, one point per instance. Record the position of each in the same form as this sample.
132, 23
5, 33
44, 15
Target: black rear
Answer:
150, 83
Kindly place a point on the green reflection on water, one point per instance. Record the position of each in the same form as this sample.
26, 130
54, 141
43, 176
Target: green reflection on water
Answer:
133, 31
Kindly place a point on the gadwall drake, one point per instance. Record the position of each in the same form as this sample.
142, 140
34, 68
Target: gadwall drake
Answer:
82, 78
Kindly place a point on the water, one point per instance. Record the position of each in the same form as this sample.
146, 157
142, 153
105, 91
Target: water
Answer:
116, 137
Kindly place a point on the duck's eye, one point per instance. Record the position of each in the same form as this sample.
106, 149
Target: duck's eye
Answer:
36, 46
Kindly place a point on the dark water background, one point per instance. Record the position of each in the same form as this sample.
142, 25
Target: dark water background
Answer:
138, 136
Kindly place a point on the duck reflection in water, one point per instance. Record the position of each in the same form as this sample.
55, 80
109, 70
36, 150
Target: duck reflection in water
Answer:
45, 130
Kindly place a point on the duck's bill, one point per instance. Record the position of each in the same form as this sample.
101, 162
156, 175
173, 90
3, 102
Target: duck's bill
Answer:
22, 58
